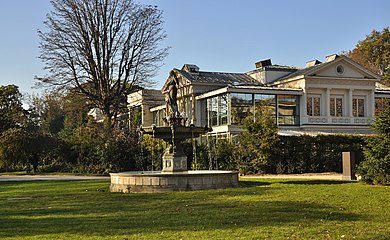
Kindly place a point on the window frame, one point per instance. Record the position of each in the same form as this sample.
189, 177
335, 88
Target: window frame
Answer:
334, 109
356, 106
313, 112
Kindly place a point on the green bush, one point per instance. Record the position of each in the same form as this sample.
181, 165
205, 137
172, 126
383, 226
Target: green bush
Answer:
255, 148
120, 155
286, 154
219, 154
150, 158
18, 147
14, 148
376, 167
201, 160
321, 153
253, 153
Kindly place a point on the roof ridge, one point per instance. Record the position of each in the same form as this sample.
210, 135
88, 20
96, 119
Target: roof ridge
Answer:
218, 77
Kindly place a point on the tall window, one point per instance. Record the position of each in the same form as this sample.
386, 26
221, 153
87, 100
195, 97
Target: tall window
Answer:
288, 111
266, 100
217, 110
336, 106
313, 106
212, 107
135, 117
381, 105
242, 107
204, 112
158, 117
222, 109
358, 107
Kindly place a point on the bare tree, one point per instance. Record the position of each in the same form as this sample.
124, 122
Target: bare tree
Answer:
104, 48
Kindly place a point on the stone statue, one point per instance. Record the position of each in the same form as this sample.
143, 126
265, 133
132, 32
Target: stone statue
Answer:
171, 96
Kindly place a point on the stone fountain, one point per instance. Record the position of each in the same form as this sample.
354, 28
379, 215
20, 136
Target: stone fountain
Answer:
175, 175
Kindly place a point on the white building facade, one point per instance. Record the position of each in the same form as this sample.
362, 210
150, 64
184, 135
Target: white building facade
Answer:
336, 96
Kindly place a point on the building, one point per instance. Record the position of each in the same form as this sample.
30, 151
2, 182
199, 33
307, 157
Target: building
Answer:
140, 103
334, 96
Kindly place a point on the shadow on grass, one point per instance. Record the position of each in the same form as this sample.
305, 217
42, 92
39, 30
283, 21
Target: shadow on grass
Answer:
85, 211
195, 216
248, 183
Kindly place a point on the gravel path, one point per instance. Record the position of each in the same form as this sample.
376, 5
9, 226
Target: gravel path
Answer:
320, 176
47, 177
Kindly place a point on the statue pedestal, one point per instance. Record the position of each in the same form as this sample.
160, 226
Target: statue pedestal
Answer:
349, 162
174, 163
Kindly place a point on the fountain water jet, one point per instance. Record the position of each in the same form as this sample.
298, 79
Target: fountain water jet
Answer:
174, 175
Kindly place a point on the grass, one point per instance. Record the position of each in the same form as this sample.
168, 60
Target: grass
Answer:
259, 209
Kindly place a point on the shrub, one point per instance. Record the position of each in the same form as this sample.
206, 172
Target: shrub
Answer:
151, 156
255, 149
202, 156
321, 153
14, 147
18, 146
218, 154
376, 167
120, 155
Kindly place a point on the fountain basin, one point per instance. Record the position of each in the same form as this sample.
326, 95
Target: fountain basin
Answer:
137, 182
181, 132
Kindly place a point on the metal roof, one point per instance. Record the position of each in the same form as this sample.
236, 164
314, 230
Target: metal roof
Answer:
219, 78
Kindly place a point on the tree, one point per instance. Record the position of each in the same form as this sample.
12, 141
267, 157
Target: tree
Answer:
374, 53
256, 146
103, 48
13, 147
375, 169
11, 110
49, 111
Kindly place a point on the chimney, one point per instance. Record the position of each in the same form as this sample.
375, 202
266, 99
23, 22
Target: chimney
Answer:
312, 63
263, 63
190, 68
331, 57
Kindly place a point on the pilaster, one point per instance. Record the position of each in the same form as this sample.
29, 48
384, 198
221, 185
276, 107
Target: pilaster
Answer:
371, 110
349, 103
327, 102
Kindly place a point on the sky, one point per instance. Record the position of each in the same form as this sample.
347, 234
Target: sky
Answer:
216, 35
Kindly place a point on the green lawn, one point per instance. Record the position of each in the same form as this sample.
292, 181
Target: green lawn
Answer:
260, 209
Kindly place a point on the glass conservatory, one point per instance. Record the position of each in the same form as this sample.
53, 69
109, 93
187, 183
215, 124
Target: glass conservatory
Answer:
232, 108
